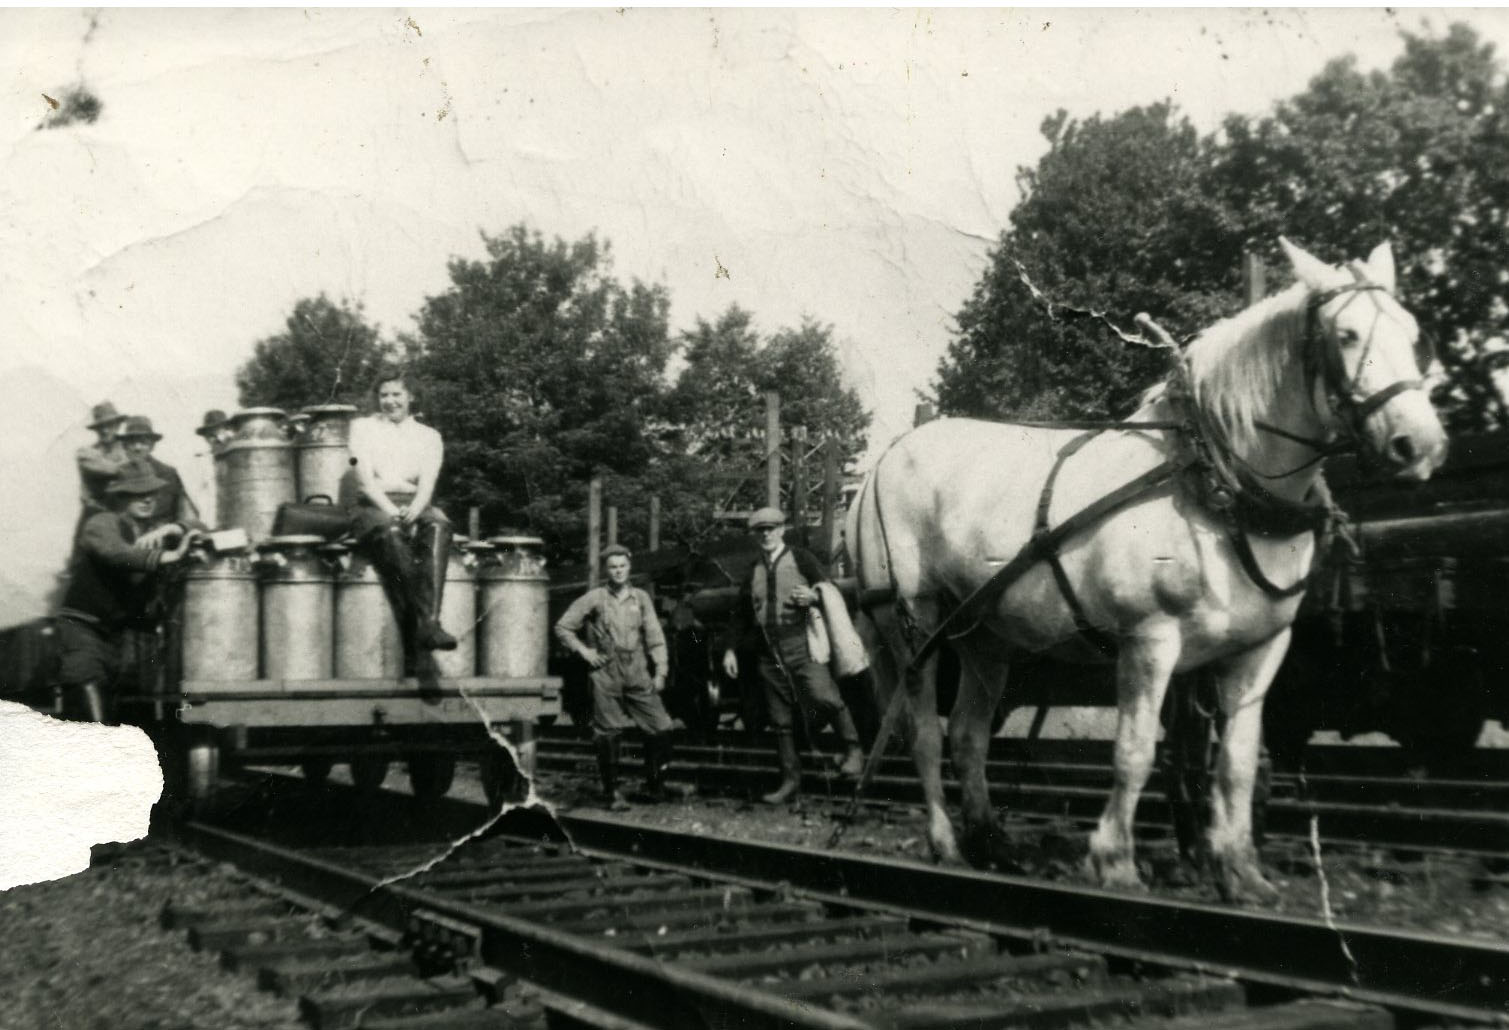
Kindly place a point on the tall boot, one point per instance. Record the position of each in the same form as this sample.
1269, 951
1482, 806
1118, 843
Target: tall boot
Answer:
608, 749
656, 756
791, 770
86, 702
854, 759
388, 550
434, 557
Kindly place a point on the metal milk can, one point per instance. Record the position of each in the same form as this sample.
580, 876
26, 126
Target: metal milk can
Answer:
259, 472
458, 609
323, 457
368, 641
298, 602
218, 628
217, 436
515, 619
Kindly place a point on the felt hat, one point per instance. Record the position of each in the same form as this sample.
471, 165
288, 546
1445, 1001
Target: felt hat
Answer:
138, 425
213, 419
103, 414
135, 477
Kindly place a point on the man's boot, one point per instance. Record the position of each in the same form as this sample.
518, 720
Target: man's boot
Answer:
607, 765
854, 759
434, 558
85, 702
791, 770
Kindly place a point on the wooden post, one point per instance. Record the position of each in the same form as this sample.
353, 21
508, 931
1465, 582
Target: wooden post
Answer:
829, 532
594, 526
655, 522
612, 524
473, 522
1254, 278
798, 481
773, 449
922, 413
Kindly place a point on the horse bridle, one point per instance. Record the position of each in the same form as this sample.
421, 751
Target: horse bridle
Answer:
1323, 359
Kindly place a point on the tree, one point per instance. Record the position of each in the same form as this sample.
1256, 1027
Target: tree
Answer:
1136, 212
538, 368
1112, 218
714, 417
326, 354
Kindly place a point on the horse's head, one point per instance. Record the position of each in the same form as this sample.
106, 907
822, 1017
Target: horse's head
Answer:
1364, 364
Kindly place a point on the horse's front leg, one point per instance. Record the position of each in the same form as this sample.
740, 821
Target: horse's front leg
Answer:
1242, 683
1143, 668
981, 681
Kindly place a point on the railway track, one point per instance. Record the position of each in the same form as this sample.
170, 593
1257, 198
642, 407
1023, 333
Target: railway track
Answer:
1464, 816
629, 926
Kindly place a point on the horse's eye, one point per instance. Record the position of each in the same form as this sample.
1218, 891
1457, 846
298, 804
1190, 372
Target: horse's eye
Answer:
1347, 336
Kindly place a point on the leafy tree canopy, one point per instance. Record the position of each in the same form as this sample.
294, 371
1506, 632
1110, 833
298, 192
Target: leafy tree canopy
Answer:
1137, 212
326, 354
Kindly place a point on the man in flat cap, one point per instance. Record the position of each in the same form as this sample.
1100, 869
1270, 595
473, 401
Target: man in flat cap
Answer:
110, 591
99, 462
770, 620
627, 654
176, 512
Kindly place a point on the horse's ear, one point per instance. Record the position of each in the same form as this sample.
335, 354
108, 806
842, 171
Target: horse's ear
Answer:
1308, 268
1381, 266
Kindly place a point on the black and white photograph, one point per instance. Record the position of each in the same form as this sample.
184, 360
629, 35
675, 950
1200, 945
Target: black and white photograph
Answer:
614, 518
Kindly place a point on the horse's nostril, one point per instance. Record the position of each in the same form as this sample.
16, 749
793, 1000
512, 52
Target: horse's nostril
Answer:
1402, 449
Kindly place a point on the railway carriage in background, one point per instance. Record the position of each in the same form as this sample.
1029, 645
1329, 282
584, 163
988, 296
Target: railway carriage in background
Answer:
279, 649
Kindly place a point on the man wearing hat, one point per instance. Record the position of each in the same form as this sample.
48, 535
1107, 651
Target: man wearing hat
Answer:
174, 508
110, 591
770, 620
99, 462
626, 640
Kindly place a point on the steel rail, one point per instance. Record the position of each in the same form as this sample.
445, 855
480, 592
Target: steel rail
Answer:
1473, 831
629, 985
1408, 971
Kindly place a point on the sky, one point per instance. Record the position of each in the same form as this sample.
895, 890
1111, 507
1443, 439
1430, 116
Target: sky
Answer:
851, 165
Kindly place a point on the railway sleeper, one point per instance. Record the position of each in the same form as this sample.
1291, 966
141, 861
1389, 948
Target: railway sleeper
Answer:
794, 961
1307, 1014
723, 939
444, 877
294, 976
217, 936
179, 917
248, 957
995, 972
745, 910
560, 888
1177, 996
358, 1004
664, 902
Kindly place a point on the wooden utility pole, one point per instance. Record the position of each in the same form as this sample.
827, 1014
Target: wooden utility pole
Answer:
594, 526
473, 523
798, 480
773, 449
612, 524
1254, 278
655, 522
829, 532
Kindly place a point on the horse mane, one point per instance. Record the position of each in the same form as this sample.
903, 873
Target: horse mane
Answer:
1237, 366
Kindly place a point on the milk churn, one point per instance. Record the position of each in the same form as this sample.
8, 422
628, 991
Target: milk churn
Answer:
216, 433
219, 623
368, 642
259, 471
298, 601
458, 609
322, 436
515, 609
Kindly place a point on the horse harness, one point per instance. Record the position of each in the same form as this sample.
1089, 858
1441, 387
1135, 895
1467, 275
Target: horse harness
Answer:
1221, 481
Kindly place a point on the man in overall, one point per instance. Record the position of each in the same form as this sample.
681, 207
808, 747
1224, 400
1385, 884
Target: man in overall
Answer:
626, 640
770, 620
110, 592
396, 462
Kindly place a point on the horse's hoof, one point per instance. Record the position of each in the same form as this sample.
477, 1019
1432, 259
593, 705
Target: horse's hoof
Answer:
1243, 883
1114, 873
991, 849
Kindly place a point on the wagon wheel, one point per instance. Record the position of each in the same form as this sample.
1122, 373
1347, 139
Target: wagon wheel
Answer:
430, 776
501, 780
368, 772
316, 771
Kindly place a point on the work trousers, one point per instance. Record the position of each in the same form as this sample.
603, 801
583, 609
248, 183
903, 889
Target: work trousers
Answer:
805, 683
624, 697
